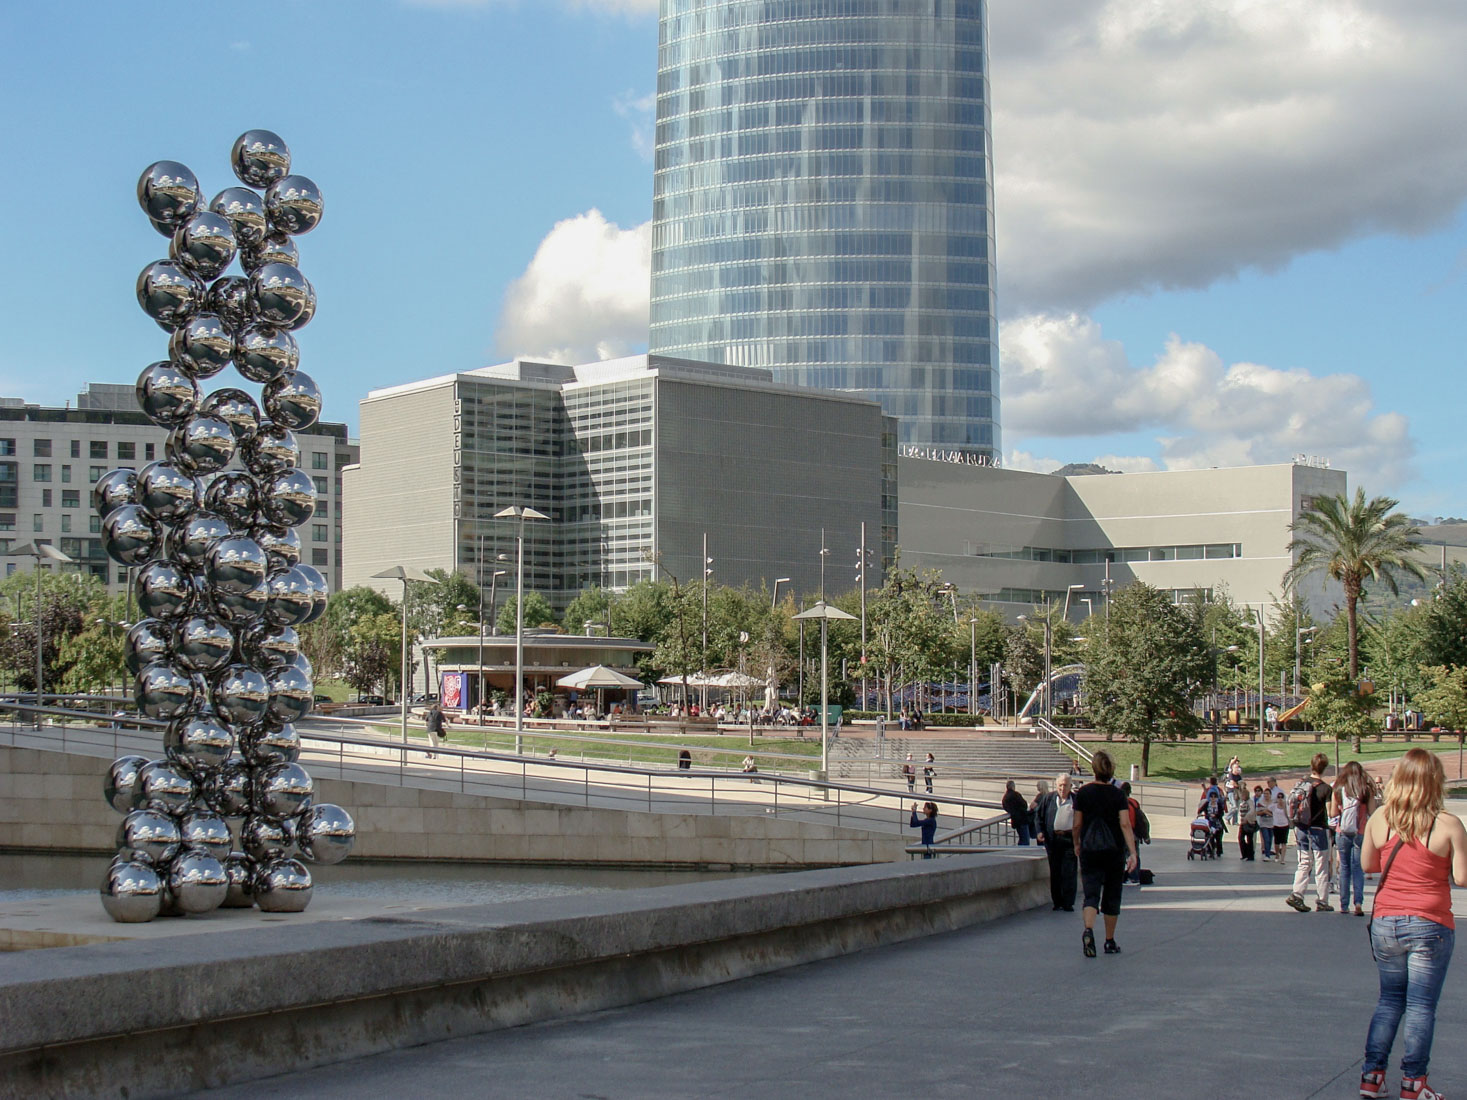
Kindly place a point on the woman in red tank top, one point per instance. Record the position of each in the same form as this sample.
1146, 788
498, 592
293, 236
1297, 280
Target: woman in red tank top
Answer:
1419, 851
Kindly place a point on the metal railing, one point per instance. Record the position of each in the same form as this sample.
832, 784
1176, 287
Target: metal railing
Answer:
980, 836
1064, 739
500, 774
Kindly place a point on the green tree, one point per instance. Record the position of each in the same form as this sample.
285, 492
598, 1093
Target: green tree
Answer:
538, 613
1394, 648
1444, 624
1023, 660
1337, 707
327, 641
92, 657
1351, 540
373, 654
1444, 699
1144, 670
589, 606
68, 603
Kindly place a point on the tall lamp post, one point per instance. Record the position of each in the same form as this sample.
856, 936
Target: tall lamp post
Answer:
824, 612
973, 668
774, 599
520, 512
41, 552
861, 561
707, 574
401, 573
1071, 588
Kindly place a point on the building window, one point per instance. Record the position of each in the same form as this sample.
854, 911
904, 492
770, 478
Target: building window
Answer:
127, 451
94, 524
66, 475
318, 559
7, 521
97, 448
66, 523
323, 507
41, 449
76, 448
320, 460
319, 532
71, 498
38, 523
45, 498
7, 446
41, 471
9, 497
121, 579
71, 548
148, 451
94, 474
320, 485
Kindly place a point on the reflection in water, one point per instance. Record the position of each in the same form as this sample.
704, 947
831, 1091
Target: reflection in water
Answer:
35, 876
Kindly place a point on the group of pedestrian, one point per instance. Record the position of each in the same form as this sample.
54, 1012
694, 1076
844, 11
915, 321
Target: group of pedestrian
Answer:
909, 773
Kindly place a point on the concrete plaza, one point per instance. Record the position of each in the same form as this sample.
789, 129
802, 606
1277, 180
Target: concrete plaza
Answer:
1221, 991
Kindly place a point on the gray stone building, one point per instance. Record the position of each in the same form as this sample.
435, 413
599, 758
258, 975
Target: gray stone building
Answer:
634, 461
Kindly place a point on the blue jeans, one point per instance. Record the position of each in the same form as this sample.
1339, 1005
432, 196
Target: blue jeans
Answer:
1266, 832
1350, 869
1412, 955
1023, 831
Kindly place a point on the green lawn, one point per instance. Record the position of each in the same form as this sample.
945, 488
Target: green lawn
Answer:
1192, 760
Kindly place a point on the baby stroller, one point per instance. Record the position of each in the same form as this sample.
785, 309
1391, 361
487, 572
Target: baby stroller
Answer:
1206, 840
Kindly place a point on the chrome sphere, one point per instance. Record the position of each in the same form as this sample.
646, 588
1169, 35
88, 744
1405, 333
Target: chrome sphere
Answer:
163, 592
276, 248
240, 870
206, 830
131, 892
228, 790
320, 590
203, 643
164, 786
302, 662
163, 691
294, 204
236, 408
203, 445
204, 244
166, 394
279, 292
233, 497
188, 541
150, 832
114, 489
166, 492
325, 833
259, 158
241, 696
199, 742
310, 312
120, 788
130, 535
147, 641
282, 791
197, 881
242, 608
263, 839
235, 565
229, 297
245, 211
288, 499
292, 599
283, 886
265, 747
264, 353
169, 193
281, 544
294, 401
272, 450
169, 293
266, 645
202, 346
291, 694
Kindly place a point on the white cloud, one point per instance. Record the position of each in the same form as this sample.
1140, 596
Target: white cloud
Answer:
1063, 378
641, 112
1023, 460
583, 296
1170, 143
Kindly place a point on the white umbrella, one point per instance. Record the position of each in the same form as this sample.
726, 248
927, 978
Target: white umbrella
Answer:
597, 676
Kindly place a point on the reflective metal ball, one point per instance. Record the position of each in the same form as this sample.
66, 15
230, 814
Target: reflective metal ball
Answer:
265, 353
168, 193
202, 346
166, 394
130, 535
291, 694
169, 293
236, 408
114, 489
241, 695
245, 210
259, 158
188, 541
292, 599
279, 292
197, 881
294, 204
204, 244
199, 742
263, 839
163, 691
146, 641
162, 591
271, 450
203, 643
206, 830
202, 445
242, 608
276, 248
282, 791
120, 788
229, 297
325, 833
233, 496
268, 746
131, 892
228, 789
235, 565
240, 870
320, 590
164, 786
166, 492
281, 544
266, 645
294, 401
283, 886
151, 832
288, 499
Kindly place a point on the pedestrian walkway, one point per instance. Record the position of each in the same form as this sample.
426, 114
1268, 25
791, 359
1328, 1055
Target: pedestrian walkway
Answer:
1221, 991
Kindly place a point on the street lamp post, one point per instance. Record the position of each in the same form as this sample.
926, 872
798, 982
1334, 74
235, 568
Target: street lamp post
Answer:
41, 552
521, 513
1089, 606
774, 599
861, 582
824, 553
824, 612
973, 668
1071, 588
402, 573
1260, 673
707, 573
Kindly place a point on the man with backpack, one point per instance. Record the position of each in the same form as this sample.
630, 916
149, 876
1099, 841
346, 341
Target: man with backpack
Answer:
1309, 815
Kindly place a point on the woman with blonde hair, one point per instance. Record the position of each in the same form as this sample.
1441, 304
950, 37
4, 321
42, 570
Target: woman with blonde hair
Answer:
1419, 850
1350, 806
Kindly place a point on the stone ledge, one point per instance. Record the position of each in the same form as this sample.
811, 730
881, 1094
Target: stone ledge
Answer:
193, 1012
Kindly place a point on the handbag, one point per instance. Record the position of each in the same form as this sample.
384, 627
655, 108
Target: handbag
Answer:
1098, 838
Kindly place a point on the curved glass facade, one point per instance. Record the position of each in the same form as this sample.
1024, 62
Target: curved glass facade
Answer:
823, 202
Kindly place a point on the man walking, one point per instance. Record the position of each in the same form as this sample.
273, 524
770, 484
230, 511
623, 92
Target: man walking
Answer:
435, 725
1054, 818
1018, 810
909, 773
1309, 814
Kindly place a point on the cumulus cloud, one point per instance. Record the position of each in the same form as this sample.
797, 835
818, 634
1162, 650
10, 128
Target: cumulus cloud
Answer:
1063, 378
641, 112
1170, 143
583, 296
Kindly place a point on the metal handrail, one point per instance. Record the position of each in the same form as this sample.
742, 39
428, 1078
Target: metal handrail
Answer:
1064, 738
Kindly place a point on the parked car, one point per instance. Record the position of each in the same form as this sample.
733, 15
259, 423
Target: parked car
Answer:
319, 699
371, 701
420, 697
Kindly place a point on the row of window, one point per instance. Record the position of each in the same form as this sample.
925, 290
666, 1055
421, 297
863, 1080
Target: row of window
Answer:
787, 299
676, 265
681, 17
1193, 552
677, 249
691, 341
908, 137
828, 112
805, 204
682, 92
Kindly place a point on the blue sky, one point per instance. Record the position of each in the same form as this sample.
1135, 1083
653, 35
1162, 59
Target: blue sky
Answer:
1228, 232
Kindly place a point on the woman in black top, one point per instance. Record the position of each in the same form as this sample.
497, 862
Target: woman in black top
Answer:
1105, 847
927, 823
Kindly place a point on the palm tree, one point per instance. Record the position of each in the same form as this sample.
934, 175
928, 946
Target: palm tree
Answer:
1349, 540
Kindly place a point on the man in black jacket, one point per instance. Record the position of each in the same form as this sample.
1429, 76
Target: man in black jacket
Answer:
1018, 811
1054, 818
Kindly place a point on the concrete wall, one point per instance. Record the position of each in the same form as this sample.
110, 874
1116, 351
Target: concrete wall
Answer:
53, 801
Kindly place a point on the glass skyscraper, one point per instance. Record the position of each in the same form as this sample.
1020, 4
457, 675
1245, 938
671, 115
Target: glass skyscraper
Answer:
823, 202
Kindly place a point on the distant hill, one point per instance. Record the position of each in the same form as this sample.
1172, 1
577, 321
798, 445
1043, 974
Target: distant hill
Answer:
1079, 469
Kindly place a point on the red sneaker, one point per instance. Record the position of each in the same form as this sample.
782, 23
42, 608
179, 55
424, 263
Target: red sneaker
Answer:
1416, 1088
1372, 1084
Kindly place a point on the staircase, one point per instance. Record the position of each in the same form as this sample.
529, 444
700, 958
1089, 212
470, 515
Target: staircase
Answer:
973, 757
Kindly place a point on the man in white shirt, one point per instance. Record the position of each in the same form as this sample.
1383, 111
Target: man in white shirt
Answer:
1054, 818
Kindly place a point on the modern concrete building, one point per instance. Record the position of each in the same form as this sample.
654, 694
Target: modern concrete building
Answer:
823, 202
50, 458
1021, 538
634, 461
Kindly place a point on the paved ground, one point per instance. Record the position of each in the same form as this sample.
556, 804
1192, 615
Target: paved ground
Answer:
1221, 991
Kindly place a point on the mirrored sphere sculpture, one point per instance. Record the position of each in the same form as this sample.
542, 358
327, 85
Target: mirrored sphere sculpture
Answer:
120, 788
283, 886
168, 193
132, 893
197, 881
259, 158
